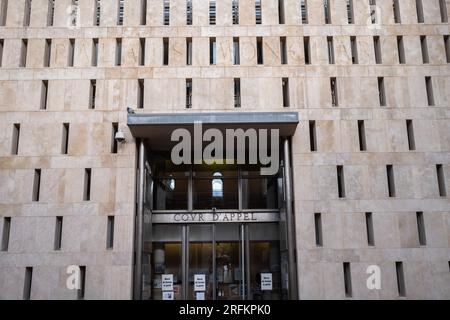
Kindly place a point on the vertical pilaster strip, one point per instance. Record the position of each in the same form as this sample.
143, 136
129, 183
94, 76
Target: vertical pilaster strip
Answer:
290, 221
139, 222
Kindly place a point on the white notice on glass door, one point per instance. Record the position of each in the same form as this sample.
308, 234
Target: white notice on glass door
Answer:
266, 281
199, 282
200, 295
167, 295
167, 282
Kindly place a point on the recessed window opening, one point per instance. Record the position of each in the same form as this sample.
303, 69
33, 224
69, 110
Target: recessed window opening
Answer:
217, 185
258, 11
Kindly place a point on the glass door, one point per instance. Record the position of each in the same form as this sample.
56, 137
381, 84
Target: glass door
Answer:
248, 263
201, 262
264, 262
225, 261
215, 267
230, 268
166, 263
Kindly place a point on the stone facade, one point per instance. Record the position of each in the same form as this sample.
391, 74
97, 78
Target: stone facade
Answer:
67, 92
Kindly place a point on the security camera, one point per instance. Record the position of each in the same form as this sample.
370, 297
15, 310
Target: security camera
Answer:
120, 136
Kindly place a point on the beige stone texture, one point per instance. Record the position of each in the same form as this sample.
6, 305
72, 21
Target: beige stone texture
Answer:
110, 272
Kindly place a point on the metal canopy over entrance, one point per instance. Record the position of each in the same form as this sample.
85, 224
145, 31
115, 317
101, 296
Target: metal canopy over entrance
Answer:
219, 215
157, 127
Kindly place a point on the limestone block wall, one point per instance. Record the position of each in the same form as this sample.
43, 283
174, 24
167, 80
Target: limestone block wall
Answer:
105, 79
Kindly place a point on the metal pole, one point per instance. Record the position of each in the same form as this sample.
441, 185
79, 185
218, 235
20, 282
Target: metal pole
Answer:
139, 221
290, 222
184, 261
214, 289
190, 190
242, 261
240, 203
247, 260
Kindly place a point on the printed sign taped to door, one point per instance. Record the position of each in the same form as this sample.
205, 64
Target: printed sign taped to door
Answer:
266, 281
200, 296
167, 282
168, 295
199, 282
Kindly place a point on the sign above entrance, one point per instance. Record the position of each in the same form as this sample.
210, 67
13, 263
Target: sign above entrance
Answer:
215, 217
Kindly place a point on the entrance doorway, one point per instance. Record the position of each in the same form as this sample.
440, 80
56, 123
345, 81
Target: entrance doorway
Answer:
229, 221
222, 261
